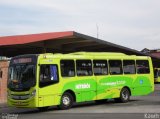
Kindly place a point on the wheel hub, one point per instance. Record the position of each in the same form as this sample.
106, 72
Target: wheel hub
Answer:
66, 100
125, 95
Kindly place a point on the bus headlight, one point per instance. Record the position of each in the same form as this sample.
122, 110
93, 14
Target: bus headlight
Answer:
33, 93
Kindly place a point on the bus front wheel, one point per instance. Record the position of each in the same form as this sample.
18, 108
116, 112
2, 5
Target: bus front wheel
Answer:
66, 101
124, 96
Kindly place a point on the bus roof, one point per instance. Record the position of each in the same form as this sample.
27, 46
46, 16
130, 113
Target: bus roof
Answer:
97, 53
91, 55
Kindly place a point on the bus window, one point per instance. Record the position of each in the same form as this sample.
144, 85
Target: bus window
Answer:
129, 67
84, 67
48, 75
100, 67
67, 68
142, 67
115, 67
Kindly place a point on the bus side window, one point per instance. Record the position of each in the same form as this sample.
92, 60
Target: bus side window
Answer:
129, 67
67, 68
100, 67
115, 67
142, 67
48, 75
84, 67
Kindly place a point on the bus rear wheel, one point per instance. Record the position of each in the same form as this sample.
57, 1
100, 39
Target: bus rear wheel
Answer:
124, 96
66, 101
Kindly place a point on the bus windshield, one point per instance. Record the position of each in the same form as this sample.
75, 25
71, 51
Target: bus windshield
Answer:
21, 77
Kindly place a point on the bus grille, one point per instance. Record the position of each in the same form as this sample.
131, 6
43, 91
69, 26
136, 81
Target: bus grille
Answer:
20, 97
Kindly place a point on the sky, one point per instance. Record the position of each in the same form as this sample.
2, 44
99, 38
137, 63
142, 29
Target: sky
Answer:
130, 23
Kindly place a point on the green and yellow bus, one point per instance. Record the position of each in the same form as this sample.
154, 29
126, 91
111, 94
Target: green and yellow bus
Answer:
63, 79
157, 75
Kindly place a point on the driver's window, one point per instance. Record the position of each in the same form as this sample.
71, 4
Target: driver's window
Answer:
48, 75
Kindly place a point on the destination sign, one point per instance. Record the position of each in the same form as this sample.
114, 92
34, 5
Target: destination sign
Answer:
22, 60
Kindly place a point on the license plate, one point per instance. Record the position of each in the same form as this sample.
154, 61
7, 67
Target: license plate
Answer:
19, 103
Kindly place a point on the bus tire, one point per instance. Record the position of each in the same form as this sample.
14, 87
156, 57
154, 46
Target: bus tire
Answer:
42, 109
124, 96
66, 101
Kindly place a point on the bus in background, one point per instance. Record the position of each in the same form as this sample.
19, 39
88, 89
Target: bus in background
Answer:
157, 75
63, 79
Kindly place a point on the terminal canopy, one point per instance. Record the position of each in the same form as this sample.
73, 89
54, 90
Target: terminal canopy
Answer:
59, 42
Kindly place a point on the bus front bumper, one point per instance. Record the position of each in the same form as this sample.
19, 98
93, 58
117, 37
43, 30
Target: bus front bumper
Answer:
28, 103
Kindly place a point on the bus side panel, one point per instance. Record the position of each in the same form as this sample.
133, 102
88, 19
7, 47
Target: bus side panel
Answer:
49, 95
83, 87
111, 86
106, 88
144, 83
